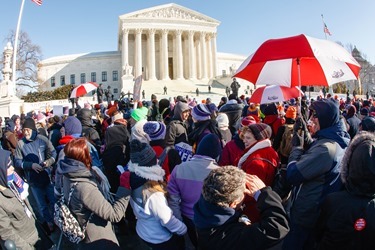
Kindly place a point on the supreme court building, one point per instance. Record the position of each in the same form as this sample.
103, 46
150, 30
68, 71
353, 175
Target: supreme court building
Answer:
162, 43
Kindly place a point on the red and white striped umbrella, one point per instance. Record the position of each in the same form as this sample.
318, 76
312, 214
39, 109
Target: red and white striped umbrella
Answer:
274, 93
299, 61
83, 89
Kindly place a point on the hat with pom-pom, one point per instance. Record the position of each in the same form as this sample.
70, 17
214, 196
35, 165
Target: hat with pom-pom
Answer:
142, 154
291, 112
201, 112
155, 130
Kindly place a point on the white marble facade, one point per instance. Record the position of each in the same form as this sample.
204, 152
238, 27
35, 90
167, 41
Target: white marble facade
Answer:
167, 42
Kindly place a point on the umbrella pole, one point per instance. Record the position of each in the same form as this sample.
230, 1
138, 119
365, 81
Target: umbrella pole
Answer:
299, 85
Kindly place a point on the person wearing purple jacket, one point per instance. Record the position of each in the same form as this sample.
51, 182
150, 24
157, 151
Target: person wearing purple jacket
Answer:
186, 181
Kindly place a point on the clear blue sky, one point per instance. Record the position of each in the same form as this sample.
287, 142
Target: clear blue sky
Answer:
63, 27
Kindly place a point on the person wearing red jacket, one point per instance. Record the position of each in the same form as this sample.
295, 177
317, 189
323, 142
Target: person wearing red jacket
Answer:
259, 159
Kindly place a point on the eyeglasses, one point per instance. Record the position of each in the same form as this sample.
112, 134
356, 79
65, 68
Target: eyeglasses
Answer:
315, 115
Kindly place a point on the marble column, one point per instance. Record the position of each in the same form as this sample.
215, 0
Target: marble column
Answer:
165, 70
138, 52
125, 48
214, 55
192, 65
151, 54
203, 55
179, 55
209, 56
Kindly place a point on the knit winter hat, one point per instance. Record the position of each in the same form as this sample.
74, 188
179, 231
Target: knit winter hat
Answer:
142, 154
87, 105
351, 111
246, 121
72, 126
138, 114
29, 123
40, 118
117, 116
260, 131
364, 111
209, 146
15, 117
368, 124
155, 130
222, 120
291, 112
111, 111
201, 112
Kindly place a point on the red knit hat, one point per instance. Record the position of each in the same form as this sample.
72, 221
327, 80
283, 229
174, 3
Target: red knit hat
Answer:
246, 121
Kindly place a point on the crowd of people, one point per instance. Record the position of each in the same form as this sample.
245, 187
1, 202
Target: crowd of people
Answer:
234, 175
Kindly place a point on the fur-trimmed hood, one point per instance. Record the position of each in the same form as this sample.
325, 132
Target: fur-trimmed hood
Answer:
358, 165
153, 173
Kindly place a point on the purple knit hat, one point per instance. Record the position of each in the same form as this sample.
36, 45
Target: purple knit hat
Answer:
155, 130
201, 112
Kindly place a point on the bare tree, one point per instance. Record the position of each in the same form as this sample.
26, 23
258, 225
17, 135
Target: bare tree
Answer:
28, 58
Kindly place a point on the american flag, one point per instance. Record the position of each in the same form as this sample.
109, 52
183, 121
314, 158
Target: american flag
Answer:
38, 2
326, 30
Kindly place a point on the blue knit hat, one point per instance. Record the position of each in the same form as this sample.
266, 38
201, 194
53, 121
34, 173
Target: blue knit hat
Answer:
201, 112
72, 126
155, 130
209, 146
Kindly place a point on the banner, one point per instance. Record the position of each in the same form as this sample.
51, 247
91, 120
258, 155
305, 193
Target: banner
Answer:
137, 88
184, 150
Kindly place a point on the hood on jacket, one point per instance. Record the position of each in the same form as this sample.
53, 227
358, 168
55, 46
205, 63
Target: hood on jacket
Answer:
327, 111
84, 116
207, 215
179, 108
70, 166
358, 165
116, 136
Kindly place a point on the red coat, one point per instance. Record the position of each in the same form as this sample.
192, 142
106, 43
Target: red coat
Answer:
257, 164
275, 122
231, 153
158, 151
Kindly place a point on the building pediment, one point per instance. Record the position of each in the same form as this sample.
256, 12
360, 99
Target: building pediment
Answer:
171, 12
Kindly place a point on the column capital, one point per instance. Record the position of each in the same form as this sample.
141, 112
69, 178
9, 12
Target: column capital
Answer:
164, 31
138, 31
178, 32
124, 28
151, 31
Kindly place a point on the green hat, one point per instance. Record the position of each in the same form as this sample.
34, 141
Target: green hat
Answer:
138, 114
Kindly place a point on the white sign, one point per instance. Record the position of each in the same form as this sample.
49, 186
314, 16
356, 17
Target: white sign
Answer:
58, 110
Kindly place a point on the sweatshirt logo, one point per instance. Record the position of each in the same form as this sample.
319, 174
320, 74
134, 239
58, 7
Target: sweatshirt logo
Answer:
360, 224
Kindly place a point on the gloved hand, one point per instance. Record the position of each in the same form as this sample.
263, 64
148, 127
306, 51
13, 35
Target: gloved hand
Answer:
298, 139
125, 180
300, 125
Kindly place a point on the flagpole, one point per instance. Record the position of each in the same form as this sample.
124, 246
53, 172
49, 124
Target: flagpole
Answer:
15, 48
330, 89
325, 34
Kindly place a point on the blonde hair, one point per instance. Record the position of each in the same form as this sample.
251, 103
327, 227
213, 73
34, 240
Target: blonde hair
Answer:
153, 187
